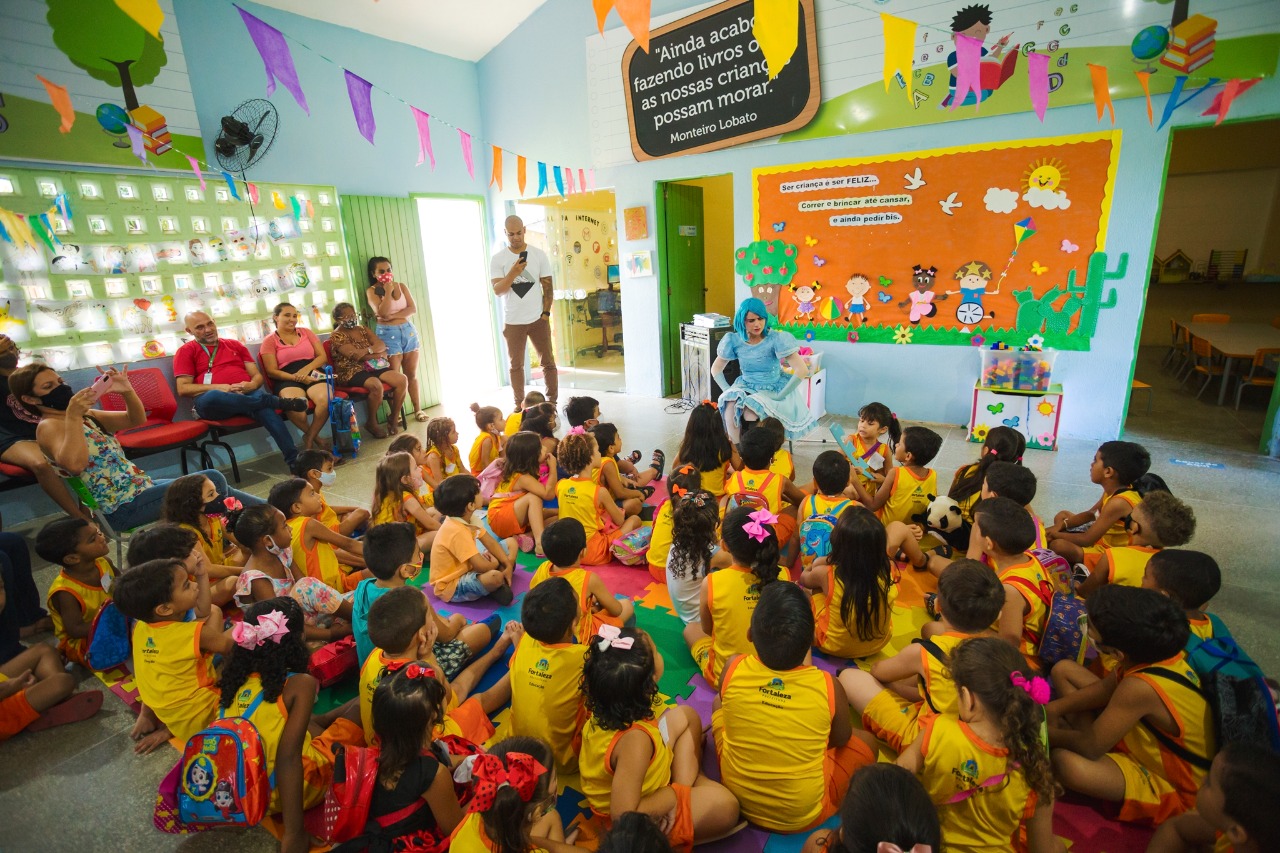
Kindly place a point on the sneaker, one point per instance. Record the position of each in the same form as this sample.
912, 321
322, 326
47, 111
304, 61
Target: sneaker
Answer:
293, 404
503, 595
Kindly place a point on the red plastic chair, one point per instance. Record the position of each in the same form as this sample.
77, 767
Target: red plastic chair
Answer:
220, 429
15, 477
359, 392
160, 432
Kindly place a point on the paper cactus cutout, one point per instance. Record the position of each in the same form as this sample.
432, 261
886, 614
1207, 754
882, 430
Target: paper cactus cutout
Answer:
766, 266
1039, 314
1094, 302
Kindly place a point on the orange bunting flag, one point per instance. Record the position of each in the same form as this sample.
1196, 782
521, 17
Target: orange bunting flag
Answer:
602, 8
635, 15
1231, 90
1144, 80
1102, 91
521, 171
61, 102
495, 177
777, 31
899, 49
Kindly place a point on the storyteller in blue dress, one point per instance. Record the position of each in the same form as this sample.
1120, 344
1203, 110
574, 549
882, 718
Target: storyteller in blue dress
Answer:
763, 390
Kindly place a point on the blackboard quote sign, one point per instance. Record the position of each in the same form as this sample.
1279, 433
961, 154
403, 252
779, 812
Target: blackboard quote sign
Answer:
704, 83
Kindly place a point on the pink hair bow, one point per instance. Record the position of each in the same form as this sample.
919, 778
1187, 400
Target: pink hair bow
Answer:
273, 626
890, 847
611, 635
758, 527
232, 503
577, 431
1037, 688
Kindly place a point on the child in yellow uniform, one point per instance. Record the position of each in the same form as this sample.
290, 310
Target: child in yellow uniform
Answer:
1116, 466
443, 457
629, 494
1152, 740
512, 426
1012, 480
755, 483
460, 571
587, 501
773, 696
730, 595
192, 501
831, 473
681, 482
707, 448
514, 805
985, 768
694, 552
905, 491
1002, 444
781, 462
82, 585
1235, 807
876, 443
395, 497
316, 467
545, 670
631, 759
866, 825
969, 598
315, 546
1160, 521
488, 444
1191, 579
173, 658
564, 543
409, 443
517, 506
404, 628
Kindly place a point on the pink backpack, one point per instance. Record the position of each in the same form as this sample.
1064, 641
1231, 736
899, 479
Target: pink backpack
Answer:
633, 548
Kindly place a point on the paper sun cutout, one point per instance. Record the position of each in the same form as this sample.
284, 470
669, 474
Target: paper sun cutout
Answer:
1045, 408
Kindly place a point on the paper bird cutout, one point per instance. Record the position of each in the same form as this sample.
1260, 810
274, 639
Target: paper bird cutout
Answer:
950, 202
914, 180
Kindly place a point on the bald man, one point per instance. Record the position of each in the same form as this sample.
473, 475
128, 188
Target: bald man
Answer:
223, 378
517, 270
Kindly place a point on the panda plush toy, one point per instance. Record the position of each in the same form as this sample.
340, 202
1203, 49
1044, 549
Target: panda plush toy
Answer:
943, 517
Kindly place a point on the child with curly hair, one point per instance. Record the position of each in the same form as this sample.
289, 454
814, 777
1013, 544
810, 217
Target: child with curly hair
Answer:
590, 503
193, 502
694, 552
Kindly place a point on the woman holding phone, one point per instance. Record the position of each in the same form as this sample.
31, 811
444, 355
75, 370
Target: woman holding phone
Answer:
79, 439
392, 307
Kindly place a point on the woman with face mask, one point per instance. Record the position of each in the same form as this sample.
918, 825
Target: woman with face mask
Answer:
392, 307
80, 441
361, 359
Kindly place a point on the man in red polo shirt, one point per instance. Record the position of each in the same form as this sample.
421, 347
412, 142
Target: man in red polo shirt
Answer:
224, 380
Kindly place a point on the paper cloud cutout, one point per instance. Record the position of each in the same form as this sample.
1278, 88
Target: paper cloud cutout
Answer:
1047, 199
998, 200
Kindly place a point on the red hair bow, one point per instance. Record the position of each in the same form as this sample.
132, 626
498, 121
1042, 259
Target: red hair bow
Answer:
521, 771
412, 669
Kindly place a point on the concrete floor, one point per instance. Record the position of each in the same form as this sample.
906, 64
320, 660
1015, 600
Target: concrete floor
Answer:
81, 787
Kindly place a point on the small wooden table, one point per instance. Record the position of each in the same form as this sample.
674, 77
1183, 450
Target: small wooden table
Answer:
1235, 340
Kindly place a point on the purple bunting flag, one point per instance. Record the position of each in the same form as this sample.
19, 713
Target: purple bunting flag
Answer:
276, 58
358, 90
467, 153
423, 121
1038, 82
136, 142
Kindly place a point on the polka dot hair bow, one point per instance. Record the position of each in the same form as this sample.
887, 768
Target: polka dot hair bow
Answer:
611, 635
489, 773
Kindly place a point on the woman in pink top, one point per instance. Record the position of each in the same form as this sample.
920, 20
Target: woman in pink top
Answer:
293, 359
392, 307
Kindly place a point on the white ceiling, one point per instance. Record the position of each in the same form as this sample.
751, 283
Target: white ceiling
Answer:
465, 29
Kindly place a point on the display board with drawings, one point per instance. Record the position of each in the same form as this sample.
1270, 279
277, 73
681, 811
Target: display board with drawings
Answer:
142, 250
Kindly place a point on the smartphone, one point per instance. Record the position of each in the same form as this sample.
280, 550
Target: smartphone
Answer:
99, 385
524, 256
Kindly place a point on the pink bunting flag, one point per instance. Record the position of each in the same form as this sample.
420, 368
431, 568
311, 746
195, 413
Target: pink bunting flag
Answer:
136, 142
1101, 91
968, 70
423, 121
61, 102
253, 192
1231, 90
582, 180
358, 91
195, 167
568, 180
276, 57
1038, 82
467, 154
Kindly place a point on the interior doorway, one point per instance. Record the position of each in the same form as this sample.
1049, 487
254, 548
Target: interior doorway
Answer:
579, 235
457, 268
694, 225
1216, 260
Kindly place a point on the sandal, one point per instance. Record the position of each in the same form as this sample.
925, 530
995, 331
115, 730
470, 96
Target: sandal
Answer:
647, 491
635, 457
659, 463
421, 416
77, 707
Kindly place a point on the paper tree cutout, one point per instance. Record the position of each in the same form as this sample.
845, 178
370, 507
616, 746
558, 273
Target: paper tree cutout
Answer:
766, 266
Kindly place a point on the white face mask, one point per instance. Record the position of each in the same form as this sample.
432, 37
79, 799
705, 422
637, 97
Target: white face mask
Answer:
284, 555
328, 478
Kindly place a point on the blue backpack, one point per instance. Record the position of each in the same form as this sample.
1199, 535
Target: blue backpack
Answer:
342, 421
815, 531
110, 638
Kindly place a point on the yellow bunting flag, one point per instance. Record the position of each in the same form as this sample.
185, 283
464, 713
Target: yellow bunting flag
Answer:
1144, 79
145, 13
61, 102
277, 200
495, 177
1101, 91
777, 29
521, 170
899, 49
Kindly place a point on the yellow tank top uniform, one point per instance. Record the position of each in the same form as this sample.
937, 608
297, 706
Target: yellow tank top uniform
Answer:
1126, 564
319, 561
450, 462
765, 483
470, 836
512, 425
1036, 587
833, 636
476, 460
820, 504
782, 464
782, 791
326, 515
1202, 627
371, 673
90, 599
392, 509
732, 596
589, 618
713, 481
545, 700
596, 759
910, 495
966, 505
898, 722
660, 539
876, 454
1118, 535
982, 798
578, 500
175, 679
597, 476
214, 543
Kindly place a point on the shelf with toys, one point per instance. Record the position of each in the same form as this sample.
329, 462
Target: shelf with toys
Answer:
1016, 390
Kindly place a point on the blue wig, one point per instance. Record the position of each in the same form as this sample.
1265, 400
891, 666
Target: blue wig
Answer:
750, 306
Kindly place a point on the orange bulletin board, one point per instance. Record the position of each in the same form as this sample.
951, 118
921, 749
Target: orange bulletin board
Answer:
1014, 222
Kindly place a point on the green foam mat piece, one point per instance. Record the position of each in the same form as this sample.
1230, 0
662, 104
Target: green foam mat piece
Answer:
668, 635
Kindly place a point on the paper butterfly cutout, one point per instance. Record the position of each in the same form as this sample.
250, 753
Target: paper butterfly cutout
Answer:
885, 281
810, 241
1038, 269
819, 262
1011, 422
884, 296
1069, 247
779, 226
995, 408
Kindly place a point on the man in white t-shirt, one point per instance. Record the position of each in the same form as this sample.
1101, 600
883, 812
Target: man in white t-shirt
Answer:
521, 276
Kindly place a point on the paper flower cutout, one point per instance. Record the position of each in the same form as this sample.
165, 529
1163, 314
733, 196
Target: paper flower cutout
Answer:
853, 336
977, 341
1046, 440
980, 432
1036, 341
1045, 408
809, 335
902, 336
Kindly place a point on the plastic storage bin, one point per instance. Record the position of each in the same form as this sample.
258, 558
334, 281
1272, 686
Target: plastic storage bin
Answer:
1016, 370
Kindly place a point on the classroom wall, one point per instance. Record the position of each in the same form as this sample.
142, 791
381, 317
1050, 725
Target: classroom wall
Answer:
717, 226
919, 382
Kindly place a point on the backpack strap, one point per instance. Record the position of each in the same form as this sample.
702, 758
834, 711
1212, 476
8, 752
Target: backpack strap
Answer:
1167, 742
1220, 630
398, 815
813, 505
935, 651
248, 712
989, 782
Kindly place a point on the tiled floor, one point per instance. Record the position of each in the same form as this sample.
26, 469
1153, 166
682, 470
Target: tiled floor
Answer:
81, 787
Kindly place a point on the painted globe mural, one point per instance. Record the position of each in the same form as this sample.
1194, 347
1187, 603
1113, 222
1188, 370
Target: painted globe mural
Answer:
1150, 43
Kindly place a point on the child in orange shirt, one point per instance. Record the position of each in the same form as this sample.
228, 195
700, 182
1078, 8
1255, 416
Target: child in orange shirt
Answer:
460, 571
315, 546
590, 503
565, 542
396, 486
82, 585
1116, 466
488, 444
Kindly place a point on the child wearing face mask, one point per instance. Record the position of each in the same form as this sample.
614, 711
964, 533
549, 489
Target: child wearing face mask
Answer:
316, 467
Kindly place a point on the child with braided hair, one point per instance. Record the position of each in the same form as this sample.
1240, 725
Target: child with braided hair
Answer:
443, 457
694, 551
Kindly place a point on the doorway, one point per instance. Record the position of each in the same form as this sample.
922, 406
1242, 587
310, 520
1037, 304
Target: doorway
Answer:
695, 260
457, 272
1216, 259
579, 235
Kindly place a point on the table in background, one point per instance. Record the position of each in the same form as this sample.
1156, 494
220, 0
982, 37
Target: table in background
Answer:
1235, 340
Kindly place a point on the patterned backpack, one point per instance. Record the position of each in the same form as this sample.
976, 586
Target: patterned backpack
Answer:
1064, 636
753, 498
815, 531
223, 773
633, 548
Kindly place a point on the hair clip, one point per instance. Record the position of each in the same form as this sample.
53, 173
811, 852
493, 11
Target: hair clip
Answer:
520, 771
890, 847
893, 415
758, 528
273, 626
1036, 687
577, 431
232, 503
411, 669
678, 490
712, 403
611, 635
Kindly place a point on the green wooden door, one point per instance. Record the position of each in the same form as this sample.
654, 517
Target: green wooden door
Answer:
682, 271
373, 226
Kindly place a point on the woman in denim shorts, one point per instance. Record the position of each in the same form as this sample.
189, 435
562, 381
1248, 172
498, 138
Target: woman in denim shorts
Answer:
392, 307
